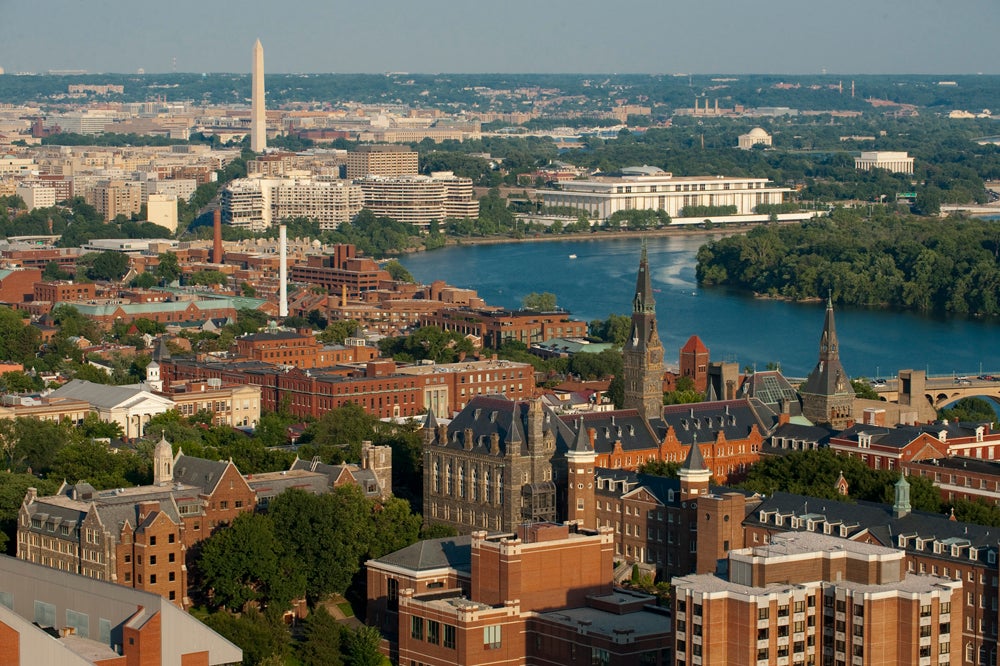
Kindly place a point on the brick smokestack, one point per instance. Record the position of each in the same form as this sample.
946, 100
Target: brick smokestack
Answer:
217, 244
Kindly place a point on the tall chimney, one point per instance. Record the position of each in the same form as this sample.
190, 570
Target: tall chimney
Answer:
217, 244
283, 272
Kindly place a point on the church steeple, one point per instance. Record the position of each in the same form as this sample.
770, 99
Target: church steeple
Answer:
643, 351
827, 394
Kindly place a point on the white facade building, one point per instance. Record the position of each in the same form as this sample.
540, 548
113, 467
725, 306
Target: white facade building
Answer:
161, 209
752, 138
879, 159
258, 203
37, 196
659, 190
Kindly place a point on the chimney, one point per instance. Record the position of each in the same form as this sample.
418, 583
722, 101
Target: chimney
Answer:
283, 272
217, 244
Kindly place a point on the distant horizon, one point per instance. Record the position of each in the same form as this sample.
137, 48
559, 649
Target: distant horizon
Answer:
781, 37
57, 72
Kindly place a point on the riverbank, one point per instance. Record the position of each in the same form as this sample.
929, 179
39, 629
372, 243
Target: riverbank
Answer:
600, 235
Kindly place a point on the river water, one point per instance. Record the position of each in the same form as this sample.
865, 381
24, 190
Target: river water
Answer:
734, 326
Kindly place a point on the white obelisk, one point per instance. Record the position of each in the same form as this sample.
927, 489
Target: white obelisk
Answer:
258, 119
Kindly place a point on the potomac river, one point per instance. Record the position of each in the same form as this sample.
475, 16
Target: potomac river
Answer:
736, 327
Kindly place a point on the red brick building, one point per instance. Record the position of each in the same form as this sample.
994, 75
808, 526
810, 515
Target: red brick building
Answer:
693, 363
494, 327
56, 292
137, 537
342, 269
58, 617
299, 349
510, 599
18, 286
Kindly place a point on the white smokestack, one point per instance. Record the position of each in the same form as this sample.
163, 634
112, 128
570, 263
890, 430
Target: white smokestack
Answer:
283, 272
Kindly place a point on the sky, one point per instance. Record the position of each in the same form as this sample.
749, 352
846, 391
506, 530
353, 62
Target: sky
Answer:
506, 36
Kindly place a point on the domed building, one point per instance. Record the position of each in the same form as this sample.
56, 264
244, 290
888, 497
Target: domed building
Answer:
753, 137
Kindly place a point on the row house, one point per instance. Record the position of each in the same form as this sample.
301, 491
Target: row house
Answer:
959, 478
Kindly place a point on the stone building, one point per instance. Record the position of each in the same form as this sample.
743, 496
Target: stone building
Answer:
642, 354
827, 394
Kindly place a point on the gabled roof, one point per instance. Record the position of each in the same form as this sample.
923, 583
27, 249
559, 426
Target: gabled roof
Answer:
204, 474
106, 397
694, 345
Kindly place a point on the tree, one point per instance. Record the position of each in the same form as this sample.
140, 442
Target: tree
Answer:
969, 410
362, 647
336, 332
614, 329
398, 271
321, 640
144, 280
338, 434
262, 638
246, 561
540, 302
327, 534
168, 269
209, 278
110, 266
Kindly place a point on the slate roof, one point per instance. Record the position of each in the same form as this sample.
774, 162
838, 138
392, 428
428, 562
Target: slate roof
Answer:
451, 552
101, 395
625, 425
198, 471
489, 415
878, 520
704, 420
897, 437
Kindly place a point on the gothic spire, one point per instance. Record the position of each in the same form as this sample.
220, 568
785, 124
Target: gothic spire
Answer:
829, 349
643, 301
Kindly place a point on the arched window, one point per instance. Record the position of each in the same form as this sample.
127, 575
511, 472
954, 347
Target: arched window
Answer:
450, 480
489, 488
437, 476
475, 485
461, 480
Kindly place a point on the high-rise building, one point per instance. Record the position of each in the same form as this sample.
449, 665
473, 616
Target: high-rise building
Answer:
643, 351
809, 598
379, 160
258, 120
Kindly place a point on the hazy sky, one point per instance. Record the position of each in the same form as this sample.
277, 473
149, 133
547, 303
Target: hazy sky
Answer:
649, 36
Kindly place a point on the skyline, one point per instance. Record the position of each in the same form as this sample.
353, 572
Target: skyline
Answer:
585, 36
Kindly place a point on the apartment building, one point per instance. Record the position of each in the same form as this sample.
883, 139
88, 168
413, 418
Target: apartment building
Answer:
808, 598
382, 160
259, 203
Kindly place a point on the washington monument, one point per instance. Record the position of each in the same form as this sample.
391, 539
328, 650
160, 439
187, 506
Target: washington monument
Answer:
258, 121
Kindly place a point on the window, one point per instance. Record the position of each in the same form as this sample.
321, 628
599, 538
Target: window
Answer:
433, 632
152, 560
491, 637
449, 636
171, 537
152, 541
417, 628
45, 614
599, 657
763, 613
79, 621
